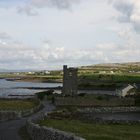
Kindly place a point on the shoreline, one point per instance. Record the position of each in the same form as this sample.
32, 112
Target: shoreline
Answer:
34, 80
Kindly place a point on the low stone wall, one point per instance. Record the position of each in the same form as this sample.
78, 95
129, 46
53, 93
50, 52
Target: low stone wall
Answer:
45, 133
91, 102
37, 132
8, 115
110, 115
128, 122
12, 115
108, 109
110, 118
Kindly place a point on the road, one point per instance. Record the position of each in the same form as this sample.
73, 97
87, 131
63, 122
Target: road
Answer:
9, 129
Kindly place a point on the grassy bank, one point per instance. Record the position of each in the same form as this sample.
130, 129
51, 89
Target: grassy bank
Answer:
33, 78
92, 131
17, 104
42, 79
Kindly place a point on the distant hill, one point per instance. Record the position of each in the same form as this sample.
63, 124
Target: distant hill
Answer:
104, 66
130, 67
8, 71
129, 64
120, 64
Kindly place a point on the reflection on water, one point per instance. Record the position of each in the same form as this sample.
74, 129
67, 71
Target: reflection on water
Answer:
11, 87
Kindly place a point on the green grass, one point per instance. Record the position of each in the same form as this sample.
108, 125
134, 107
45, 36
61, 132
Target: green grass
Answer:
92, 131
17, 104
130, 78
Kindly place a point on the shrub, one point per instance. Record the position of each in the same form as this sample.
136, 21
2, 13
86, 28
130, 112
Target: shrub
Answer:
41, 95
81, 94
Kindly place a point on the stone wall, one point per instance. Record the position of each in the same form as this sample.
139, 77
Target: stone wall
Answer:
8, 115
91, 102
108, 109
110, 115
113, 121
45, 133
11, 115
128, 122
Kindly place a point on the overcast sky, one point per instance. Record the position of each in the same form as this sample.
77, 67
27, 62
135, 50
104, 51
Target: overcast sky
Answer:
45, 34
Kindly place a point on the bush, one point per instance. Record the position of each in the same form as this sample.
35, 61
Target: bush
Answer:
99, 98
81, 94
41, 95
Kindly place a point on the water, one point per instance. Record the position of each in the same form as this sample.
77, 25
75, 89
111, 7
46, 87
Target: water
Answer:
15, 88
13, 84
18, 88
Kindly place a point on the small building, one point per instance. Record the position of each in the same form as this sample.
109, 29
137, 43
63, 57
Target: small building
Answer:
46, 72
31, 72
70, 84
127, 90
102, 72
112, 72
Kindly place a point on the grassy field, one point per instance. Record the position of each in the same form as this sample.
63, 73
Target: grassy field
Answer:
92, 131
112, 77
106, 81
17, 104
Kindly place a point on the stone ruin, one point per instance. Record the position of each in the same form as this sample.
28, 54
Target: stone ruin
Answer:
70, 82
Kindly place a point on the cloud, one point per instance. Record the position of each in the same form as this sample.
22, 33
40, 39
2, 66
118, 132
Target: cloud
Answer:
106, 46
32, 7
29, 10
123, 33
5, 36
2, 42
129, 12
127, 35
60, 4
126, 52
20, 56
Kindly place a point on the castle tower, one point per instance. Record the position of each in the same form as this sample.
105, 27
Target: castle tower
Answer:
70, 85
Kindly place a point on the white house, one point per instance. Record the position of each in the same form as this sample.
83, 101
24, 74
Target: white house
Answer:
126, 91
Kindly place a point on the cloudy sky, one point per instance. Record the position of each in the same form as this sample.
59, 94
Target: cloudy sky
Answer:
45, 34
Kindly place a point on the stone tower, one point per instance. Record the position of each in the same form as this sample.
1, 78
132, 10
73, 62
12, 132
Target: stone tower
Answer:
70, 85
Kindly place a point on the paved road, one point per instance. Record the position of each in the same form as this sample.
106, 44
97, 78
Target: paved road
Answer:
9, 129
